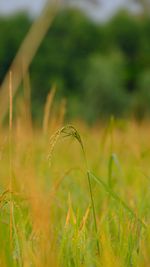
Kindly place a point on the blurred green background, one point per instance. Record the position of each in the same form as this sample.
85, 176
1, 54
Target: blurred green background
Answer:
101, 68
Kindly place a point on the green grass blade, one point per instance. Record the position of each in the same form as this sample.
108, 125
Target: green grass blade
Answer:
116, 197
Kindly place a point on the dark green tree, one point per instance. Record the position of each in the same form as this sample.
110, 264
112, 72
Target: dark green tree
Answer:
104, 87
12, 32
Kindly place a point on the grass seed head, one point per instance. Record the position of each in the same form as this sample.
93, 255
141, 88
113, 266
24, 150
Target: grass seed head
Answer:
64, 132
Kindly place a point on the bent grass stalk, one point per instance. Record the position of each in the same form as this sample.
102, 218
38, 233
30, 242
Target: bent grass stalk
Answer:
27, 51
70, 131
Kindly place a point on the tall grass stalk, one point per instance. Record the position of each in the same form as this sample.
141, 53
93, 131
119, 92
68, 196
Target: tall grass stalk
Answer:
13, 230
110, 169
47, 109
27, 100
10, 154
113, 161
70, 131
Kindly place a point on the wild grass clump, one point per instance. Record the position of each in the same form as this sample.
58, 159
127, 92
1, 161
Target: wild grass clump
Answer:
70, 131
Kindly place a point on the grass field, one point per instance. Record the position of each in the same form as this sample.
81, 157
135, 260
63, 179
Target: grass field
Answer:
76, 198
70, 196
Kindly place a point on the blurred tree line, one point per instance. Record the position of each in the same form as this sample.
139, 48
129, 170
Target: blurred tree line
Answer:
102, 69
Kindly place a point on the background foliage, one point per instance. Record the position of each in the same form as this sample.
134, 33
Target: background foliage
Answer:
101, 68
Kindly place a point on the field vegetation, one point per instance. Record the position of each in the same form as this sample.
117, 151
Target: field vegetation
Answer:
74, 198
74, 161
